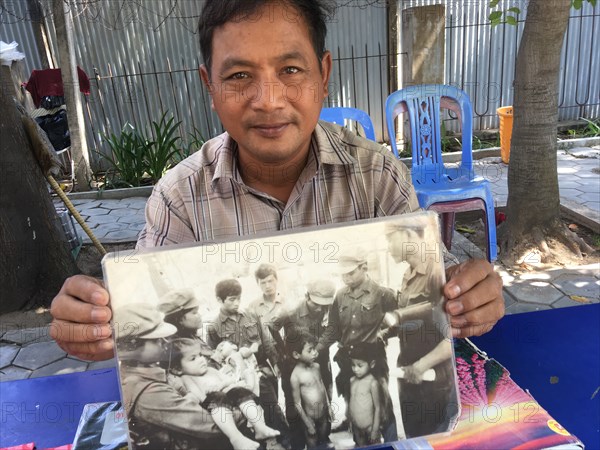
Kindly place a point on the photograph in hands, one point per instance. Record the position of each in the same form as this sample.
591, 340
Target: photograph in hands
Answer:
333, 337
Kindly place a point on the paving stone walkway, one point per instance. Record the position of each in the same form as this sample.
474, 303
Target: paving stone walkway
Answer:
31, 352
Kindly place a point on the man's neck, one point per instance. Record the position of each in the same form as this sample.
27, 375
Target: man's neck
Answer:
276, 179
269, 298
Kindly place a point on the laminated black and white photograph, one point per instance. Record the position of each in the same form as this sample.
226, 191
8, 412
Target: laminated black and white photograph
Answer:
333, 337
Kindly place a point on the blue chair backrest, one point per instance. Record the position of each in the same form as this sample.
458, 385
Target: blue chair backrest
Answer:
340, 114
423, 102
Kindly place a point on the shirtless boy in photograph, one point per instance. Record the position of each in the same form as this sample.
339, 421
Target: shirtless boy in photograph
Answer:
308, 390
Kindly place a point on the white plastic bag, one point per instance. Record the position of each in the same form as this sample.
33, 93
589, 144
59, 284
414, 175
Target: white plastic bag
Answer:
9, 53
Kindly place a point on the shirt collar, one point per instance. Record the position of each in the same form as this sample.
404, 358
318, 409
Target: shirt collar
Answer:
324, 147
223, 318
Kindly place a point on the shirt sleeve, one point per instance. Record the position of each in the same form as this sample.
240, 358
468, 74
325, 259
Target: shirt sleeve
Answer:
394, 193
166, 222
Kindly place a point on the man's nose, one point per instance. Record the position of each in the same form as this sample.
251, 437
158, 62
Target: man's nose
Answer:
269, 94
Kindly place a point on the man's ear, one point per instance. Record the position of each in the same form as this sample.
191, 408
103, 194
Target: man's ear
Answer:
177, 372
372, 364
295, 355
326, 64
205, 77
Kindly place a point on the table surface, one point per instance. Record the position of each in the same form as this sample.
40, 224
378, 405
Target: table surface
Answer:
554, 354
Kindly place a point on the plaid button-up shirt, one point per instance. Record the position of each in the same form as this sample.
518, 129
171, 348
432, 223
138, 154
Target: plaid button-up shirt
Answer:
346, 178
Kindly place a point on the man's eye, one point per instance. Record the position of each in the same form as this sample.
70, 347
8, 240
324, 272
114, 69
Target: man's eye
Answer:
291, 70
238, 76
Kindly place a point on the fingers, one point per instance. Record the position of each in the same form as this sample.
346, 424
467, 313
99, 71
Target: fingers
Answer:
475, 302
90, 351
81, 315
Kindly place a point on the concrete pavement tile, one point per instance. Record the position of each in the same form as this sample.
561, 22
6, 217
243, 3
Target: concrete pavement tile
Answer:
136, 219
584, 152
592, 205
108, 364
587, 175
60, 367
27, 335
573, 184
104, 219
565, 302
541, 292
590, 197
89, 204
509, 300
101, 218
121, 213
575, 284
120, 205
35, 356
13, 373
122, 235
7, 354
570, 192
519, 308
93, 213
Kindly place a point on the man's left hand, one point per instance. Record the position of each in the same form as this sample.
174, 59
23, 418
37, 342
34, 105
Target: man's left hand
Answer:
475, 302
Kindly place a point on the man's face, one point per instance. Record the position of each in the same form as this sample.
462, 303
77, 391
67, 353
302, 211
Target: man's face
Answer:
151, 350
267, 88
314, 308
194, 364
404, 247
268, 285
231, 305
355, 277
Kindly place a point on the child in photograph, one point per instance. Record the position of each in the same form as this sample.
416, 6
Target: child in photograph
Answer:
218, 393
366, 405
308, 390
240, 364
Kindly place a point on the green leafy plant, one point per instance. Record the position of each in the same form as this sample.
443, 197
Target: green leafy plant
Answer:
592, 129
127, 163
161, 151
194, 143
510, 15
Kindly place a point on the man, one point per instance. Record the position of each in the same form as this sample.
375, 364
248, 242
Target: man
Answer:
274, 169
244, 330
360, 307
159, 416
311, 316
427, 406
269, 307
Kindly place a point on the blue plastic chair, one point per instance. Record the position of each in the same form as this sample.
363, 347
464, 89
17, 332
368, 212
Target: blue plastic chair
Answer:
340, 114
445, 189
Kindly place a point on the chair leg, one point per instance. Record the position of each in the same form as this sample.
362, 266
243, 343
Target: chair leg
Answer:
448, 228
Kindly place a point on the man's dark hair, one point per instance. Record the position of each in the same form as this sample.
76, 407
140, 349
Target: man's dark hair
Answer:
228, 288
264, 270
217, 13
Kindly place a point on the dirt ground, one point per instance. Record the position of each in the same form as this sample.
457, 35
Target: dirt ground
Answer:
472, 227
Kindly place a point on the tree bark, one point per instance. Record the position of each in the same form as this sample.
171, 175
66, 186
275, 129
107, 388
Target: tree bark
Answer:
79, 150
34, 254
533, 206
38, 19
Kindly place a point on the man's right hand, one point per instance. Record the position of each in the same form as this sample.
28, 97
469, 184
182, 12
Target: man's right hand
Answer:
81, 315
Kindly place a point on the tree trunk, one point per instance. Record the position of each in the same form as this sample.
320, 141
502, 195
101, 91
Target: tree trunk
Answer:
64, 37
40, 33
533, 206
34, 254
